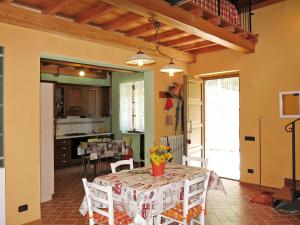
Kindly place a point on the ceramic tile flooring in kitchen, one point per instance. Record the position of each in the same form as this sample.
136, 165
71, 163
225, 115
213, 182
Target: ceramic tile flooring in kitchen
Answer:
233, 209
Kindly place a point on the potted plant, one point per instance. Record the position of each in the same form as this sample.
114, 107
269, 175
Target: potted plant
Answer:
158, 157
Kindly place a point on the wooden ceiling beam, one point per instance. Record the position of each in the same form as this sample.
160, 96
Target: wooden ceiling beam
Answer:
141, 29
195, 46
93, 12
33, 20
180, 40
55, 7
58, 70
121, 21
164, 35
181, 19
197, 11
208, 49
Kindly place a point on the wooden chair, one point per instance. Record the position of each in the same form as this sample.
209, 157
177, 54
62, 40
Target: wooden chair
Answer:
187, 159
104, 215
121, 163
193, 207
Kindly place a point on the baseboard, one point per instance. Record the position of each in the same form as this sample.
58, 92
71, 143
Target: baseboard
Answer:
259, 186
35, 222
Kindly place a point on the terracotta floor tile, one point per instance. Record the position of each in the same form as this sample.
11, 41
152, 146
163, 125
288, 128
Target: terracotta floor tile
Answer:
234, 208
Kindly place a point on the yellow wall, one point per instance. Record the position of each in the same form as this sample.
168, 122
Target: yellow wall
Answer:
274, 67
23, 48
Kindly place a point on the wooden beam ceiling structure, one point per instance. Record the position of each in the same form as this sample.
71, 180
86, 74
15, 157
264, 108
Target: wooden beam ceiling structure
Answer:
185, 29
91, 13
56, 6
181, 19
30, 19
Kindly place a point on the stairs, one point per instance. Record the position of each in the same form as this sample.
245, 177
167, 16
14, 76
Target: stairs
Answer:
285, 194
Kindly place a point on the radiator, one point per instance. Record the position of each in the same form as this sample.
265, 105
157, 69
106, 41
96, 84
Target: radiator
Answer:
177, 145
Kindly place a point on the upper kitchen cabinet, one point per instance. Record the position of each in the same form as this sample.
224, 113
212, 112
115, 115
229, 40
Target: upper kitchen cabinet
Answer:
105, 101
84, 101
59, 101
92, 102
97, 102
75, 100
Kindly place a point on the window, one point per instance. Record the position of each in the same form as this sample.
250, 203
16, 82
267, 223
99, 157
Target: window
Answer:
132, 106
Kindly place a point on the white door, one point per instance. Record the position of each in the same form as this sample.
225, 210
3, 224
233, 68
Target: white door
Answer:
47, 141
194, 131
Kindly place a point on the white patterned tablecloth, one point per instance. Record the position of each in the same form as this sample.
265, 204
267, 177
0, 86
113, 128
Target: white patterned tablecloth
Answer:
137, 192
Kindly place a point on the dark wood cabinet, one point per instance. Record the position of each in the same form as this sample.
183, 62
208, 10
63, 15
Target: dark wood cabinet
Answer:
62, 153
75, 100
104, 101
59, 101
92, 102
84, 101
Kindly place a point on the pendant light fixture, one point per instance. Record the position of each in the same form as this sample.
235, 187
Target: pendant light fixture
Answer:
141, 59
171, 69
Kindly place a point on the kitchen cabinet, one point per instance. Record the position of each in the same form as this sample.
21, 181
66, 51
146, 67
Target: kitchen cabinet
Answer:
62, 153
93, 102
104, 101
75, 100
59, 101
84, 101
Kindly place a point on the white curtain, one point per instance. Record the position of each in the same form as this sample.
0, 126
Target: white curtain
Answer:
139, 119
125, 115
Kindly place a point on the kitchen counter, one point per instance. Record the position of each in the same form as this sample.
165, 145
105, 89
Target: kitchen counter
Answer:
83, 135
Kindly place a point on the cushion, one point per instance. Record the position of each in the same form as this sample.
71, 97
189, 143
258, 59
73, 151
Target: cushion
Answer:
176, 213
120, 218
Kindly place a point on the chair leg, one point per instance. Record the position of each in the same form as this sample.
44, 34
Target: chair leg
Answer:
202, 219
158, 220
87, 167
82, 167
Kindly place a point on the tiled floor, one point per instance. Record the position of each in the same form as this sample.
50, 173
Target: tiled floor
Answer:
233, 209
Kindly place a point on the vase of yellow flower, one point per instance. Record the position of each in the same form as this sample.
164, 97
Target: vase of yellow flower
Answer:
158, 157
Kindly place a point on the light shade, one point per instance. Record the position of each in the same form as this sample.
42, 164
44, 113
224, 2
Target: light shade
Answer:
171, 69
140, 59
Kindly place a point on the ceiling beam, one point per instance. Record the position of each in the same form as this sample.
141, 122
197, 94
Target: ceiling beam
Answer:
181, 19
164, 35
195, 46
208, 49
59, 70
55, 7
93, 12
141, 29
121, 21
33, 20
180, 40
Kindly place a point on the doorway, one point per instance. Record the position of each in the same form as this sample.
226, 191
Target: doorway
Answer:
222, 148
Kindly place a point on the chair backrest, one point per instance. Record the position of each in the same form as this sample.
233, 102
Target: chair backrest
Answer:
121, 163
187, 159
91, 192
195, 191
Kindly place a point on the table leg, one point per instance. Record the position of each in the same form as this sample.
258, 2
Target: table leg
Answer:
95, 168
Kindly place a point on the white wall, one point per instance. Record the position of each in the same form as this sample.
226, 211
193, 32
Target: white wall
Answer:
47, 142
2, 196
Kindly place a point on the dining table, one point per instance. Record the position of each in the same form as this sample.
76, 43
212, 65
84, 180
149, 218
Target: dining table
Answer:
140, 194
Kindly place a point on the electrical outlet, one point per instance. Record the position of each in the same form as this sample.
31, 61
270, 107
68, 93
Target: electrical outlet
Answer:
23, 208
249, 138
250, 170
